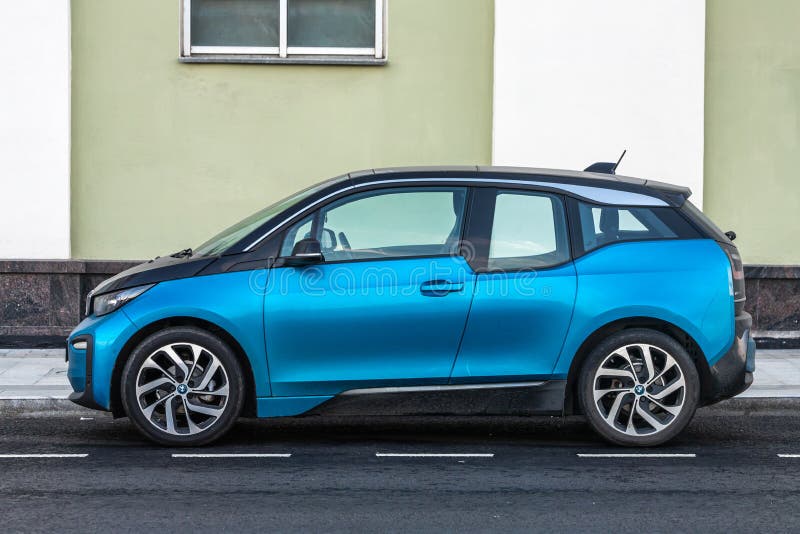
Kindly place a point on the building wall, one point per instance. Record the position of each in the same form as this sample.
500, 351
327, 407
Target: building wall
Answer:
578, 81
166, 154
34, 129
752, 164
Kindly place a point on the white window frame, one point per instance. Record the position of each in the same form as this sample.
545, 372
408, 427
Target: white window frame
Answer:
283, 53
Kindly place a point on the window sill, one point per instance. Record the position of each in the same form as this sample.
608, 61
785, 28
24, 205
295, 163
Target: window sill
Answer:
292, 60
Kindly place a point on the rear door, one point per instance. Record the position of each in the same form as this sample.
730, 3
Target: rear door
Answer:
525, 287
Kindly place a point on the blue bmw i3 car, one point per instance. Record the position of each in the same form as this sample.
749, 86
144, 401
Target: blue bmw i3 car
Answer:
442, 290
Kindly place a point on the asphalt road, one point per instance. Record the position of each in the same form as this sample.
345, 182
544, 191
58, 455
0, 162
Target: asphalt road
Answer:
335, 479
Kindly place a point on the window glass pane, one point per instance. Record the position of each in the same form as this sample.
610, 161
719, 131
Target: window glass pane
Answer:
296, 233
235, 22
628, 222
529, 231
331, 23
395, 224
601, 225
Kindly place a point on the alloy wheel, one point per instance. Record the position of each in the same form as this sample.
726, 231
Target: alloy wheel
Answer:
182, 389
639, 390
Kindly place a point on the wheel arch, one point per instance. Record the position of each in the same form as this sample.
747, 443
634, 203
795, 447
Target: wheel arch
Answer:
571, 404
249, 409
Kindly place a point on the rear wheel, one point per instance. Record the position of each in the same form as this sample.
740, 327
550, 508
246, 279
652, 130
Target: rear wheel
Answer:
639, 387
182, 386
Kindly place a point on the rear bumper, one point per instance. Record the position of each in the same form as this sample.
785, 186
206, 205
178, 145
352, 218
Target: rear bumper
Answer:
733, 373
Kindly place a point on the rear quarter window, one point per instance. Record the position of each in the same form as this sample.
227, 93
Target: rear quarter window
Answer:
604, 225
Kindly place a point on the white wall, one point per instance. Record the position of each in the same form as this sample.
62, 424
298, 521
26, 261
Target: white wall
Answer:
34, 129
578, 81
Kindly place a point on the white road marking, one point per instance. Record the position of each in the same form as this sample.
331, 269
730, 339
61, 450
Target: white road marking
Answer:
231, 455
432, 455
87, 418
637, 455
43, 455
789, 456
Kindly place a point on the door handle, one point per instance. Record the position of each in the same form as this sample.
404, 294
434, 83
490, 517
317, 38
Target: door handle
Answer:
440, 288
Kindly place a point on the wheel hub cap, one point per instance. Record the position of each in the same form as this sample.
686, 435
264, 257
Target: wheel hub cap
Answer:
165, 398
639, 389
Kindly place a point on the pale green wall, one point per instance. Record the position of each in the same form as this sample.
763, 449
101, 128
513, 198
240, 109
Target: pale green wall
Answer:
752, 148
165, 154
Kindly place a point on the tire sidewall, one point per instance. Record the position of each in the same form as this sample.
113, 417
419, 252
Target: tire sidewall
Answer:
630, 337
183, 335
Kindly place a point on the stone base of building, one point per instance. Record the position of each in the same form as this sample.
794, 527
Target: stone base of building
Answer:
773, 299
41, 301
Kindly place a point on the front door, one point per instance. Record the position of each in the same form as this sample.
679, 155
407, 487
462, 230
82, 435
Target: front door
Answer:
525, 292
388, 305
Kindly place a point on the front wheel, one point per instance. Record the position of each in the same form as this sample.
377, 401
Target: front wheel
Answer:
639, 387
183, 387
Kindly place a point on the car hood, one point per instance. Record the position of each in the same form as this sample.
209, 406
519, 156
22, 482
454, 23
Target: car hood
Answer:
154, 271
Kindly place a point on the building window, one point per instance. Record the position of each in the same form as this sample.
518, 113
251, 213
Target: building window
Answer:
284, 31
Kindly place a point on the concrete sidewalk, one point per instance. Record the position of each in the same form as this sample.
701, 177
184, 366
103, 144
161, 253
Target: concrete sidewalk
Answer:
42, 374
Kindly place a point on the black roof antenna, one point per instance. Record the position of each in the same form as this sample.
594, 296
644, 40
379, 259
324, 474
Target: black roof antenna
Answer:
605, 167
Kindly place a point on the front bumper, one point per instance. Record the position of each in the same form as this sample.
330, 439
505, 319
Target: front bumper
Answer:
79, 372
733, 373
90, 370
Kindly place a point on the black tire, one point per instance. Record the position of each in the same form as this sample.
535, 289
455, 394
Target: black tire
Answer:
181, 339
611, 420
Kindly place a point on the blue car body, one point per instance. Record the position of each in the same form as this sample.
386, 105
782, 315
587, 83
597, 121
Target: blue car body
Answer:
312, 334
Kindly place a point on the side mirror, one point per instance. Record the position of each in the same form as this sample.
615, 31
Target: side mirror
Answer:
306, 252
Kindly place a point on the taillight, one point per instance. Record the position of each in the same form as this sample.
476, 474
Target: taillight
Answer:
737, 272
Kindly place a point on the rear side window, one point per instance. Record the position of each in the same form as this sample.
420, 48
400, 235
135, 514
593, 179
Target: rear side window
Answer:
528, 232
603, 225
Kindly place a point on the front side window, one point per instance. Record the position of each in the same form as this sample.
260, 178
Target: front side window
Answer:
603, 225
386, 224
288, 30
528, 232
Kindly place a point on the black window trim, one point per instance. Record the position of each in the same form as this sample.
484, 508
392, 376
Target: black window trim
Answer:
261, 247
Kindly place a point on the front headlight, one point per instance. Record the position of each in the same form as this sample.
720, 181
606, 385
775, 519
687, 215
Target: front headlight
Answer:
108, 302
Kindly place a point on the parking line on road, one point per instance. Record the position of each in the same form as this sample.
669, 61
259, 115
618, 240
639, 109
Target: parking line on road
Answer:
231, 455
43, 455
789, 456
433, 455
637, 455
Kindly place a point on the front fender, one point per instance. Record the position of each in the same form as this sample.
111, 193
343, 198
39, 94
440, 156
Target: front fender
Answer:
232, 301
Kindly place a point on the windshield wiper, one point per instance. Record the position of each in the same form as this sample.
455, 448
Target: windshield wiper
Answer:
182, 254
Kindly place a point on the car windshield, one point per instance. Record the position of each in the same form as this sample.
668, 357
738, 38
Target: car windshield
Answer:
227, 238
